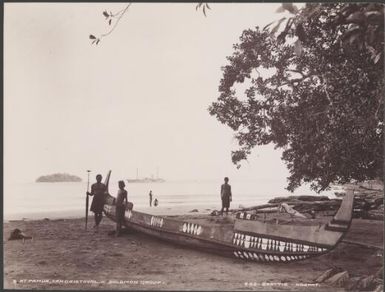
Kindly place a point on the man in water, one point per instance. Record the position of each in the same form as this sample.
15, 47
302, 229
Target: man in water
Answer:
98, 191
226, 196
120, 207
150, 195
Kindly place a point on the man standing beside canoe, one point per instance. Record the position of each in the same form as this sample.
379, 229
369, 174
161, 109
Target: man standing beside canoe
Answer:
98, 191
120, 207
226, 196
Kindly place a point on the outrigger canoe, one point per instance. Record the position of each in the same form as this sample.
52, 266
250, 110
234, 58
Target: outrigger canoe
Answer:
246, 238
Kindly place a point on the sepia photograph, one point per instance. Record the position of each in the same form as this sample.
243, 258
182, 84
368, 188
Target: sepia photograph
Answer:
195, 146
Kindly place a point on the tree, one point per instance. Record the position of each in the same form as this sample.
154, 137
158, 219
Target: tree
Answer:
315, 90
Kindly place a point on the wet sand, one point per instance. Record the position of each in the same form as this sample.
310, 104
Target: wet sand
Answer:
61, 252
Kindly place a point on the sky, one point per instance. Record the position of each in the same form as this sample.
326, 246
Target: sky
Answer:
138, 100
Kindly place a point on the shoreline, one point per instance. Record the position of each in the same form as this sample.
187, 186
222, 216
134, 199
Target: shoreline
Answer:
80, 214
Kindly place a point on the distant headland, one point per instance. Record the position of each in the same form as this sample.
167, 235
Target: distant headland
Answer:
59, 177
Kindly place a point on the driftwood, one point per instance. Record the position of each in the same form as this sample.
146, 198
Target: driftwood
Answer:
327, 274
299, 206
366, 206
375, 215
339, 279
294, 204
371, 189
271, 210
299, 198
257, 207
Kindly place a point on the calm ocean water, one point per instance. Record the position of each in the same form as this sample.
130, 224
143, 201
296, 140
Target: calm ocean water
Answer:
54, 200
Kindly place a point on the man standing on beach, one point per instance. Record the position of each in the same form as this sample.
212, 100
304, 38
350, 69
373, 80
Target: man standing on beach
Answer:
150, 195
120, 207
226, 196
98, 191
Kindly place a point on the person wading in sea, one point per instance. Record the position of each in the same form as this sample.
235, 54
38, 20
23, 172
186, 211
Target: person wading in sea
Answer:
98, 191
226, 196
150, 195
120, 207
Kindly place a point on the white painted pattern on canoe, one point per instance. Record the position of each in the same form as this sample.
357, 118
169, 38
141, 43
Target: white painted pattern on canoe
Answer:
276, 258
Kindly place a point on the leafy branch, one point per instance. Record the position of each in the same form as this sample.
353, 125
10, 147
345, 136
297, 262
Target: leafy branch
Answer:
114, 18
110, 18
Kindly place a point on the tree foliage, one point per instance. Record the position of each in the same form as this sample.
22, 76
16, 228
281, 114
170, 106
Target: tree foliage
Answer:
315, 90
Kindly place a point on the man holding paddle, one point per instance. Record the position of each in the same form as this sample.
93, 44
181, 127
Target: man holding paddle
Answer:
98, 190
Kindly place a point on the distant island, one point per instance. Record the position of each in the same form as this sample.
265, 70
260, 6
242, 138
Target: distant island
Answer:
59, 177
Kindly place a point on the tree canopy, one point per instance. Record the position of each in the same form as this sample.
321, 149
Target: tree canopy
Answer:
314, 89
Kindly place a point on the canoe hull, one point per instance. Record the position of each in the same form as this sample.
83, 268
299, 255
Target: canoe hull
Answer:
247, 246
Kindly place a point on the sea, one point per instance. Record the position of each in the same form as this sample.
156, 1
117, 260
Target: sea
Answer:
67, 199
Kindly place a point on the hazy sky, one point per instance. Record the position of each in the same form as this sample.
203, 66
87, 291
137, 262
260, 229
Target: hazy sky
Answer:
137, 100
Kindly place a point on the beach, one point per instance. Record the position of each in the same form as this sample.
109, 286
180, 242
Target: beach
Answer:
62, 255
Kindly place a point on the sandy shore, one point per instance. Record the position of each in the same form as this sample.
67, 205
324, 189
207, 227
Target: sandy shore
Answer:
61, 252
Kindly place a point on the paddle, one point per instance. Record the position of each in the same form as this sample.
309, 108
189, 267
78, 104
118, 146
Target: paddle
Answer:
87, 199
107, 181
